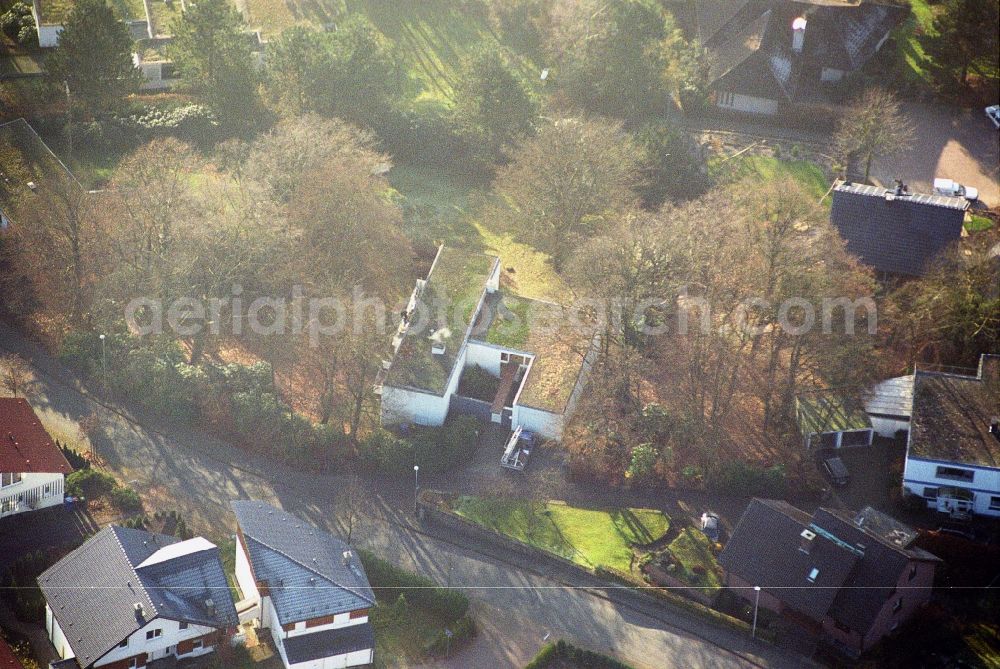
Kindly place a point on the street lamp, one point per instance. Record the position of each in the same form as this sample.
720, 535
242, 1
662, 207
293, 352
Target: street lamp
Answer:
104, 361
416, 486
756, 603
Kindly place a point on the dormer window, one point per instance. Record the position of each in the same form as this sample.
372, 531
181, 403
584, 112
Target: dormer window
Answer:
812, 575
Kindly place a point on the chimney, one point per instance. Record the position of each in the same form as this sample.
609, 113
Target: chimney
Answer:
347, 558
798, 34
995, 427
139, 611
806, 540
210, 606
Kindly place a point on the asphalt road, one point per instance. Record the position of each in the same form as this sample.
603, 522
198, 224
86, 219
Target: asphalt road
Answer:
518, 607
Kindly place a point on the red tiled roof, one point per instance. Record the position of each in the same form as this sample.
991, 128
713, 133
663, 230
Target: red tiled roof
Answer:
25, 446
7, 659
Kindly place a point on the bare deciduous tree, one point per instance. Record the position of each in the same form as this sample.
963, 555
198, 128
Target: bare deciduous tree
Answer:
16, 373
872, 127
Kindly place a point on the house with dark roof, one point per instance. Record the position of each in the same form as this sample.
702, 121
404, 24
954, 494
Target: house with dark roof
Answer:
33, 469
7, 658
770, 55
127, 597
896, 232
305, 585
953, 447
851, 579
459, 319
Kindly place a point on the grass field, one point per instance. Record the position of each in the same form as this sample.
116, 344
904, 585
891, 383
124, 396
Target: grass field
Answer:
589, 537
767, 168
433, 35
978, 223
691, 548
910, 40
439, 206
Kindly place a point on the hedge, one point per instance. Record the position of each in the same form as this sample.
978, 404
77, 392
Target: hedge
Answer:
461, 630
435, 449
389, 582
580, 657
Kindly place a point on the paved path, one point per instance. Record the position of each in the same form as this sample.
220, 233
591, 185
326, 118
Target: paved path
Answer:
518, 607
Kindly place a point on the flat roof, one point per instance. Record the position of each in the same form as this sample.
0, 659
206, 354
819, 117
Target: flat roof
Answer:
445, 308
826, 411
546, 331
952, 414
54, 12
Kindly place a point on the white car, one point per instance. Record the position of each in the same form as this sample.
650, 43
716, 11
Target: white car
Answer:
955, 189
993, 114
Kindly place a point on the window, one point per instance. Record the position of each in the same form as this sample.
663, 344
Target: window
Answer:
994, 503
930, 493
47, 490
196, 644
132, 663
812, 575
154, 634
123, 644
955, 474
9, 479
183, 626
898, 605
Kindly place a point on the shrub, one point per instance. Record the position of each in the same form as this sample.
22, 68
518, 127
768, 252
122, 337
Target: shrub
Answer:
89, 483
580, 657
735, 477
19, 24
125, 499
461, 630
390, 582
73, 457
478, 384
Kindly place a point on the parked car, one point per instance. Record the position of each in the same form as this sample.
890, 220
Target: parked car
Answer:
710, 525
993, 114
955, 189
836, 471
518, 449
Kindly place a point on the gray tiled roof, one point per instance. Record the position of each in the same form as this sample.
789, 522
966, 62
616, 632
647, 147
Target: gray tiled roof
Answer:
897, 234
329, 643
303, 566
859, 564
93, 591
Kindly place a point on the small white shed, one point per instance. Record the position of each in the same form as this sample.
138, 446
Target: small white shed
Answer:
889, 405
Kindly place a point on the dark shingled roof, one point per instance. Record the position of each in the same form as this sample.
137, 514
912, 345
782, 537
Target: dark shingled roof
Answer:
329, 643
93, 591
859, 559
952, 414
25, 446
897, 234
303, 566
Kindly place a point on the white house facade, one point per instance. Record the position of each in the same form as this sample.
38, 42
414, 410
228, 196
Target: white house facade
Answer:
306, 587
32, 467
953, 447
128, 597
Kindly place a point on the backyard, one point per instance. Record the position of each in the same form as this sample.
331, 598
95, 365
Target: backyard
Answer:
588, 537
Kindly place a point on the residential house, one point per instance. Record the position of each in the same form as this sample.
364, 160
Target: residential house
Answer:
459, 318
770, 56
128, 597
304, 585
953, 448
851, 579
33, 469
896, 232
7, 658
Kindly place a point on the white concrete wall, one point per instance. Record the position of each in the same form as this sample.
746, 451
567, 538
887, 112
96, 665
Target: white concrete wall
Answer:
887, 427
157, 648
483, 355
543, 423
400, 405
920, 474
244, 575
34, 491
56, 635
358, 658
48, 36
746, 103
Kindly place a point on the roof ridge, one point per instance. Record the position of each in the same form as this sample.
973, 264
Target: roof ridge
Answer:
307, 567
132, 567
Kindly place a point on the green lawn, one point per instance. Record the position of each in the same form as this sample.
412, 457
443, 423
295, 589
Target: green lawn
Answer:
978, 223
439, 206
433, 35
589, 537
691, 548
767, 168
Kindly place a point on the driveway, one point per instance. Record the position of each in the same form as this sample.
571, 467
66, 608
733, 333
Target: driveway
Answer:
959, 144
518, 606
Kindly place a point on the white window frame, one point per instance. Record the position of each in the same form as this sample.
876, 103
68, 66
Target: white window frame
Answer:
154, 634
